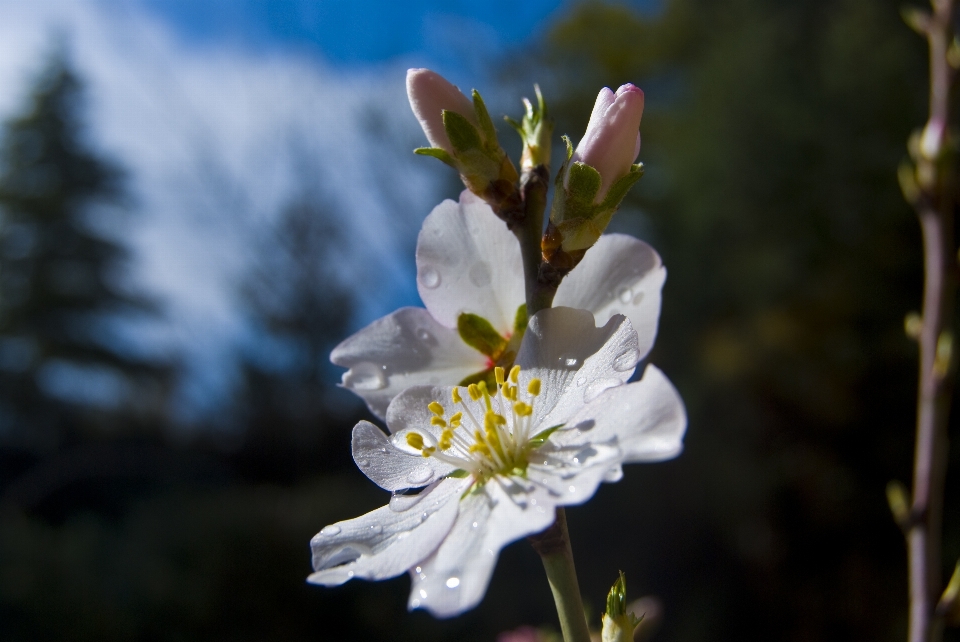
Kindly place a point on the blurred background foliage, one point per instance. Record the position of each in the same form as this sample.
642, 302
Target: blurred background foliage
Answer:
771, 138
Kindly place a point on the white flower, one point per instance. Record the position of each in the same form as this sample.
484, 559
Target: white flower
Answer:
494, 463
612, 140
468, 262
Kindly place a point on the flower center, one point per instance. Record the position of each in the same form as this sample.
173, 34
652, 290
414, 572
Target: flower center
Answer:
496, 440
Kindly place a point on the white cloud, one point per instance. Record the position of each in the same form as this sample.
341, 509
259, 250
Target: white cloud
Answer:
216, 139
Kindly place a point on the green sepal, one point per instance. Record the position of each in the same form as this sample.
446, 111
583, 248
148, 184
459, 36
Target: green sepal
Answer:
583, 182
486, 123
541, 437
488, 376
479, 334
438, 153
621, 186
520, 320
461, 132
459, 473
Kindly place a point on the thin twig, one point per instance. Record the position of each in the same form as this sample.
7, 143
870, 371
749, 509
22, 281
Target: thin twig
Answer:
934, 202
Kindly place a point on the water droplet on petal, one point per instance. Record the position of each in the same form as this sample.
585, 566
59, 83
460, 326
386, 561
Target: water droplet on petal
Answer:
426, 337
420, 476
365, 376
429, 278
376, 528
573, 489
475, 524
418, 569
423, 594
569, 360
480, 274
362, 462
399, 503
625, 295
597, 388
626, 360
581, 380
453, 582
637, 299
330, 530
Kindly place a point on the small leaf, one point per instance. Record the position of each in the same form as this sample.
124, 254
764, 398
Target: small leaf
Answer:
479, 334
438, 153
621, 186
459, 473
520, 320
461, 132
483, 117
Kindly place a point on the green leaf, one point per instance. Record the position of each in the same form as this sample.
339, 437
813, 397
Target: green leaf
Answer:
541, 437
438, 153
583, 182
483, 117
459, 473
477, 333
520, 320
461, 132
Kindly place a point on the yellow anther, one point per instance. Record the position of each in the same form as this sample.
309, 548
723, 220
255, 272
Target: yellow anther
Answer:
426, 452
482, 386
455, 419
415, 439
510, 392
498, 374
436, 408
491, 420
522, 409
481, 448
474, 391
534, 387
478, 436
514, 374
438, 421
446, 439
456, 396
492, 438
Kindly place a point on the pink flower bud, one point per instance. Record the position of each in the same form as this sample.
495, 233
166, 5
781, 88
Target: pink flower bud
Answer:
612, 140
430, 94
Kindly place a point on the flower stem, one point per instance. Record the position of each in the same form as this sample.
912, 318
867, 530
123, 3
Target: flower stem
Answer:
934, 200
553, 545
539, 291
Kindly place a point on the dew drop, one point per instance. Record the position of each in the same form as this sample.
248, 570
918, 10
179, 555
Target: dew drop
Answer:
423, 517
330, 530
569, 360
453, 582
400, 503
625, 295
362, 462
376, 528
419, 476
637, 299
365, 376
350, 574
423, 594
628, 359
426, 337
475, 524
429, 278
415, 604
573, 489
480, 274
418, 570
597, 388
581, 380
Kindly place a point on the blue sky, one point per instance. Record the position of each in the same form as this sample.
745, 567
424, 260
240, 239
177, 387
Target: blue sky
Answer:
351, 33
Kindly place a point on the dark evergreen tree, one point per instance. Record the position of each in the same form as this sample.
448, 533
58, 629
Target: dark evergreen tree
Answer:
62, 372
300, 310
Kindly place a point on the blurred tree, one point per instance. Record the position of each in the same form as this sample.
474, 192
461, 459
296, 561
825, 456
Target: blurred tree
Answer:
771, 137
63, 371
300, 308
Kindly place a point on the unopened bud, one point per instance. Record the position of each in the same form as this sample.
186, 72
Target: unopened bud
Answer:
618, 622
596, 176
949, 606
462, 135
535, 130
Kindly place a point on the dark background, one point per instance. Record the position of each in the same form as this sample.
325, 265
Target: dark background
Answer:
771, 137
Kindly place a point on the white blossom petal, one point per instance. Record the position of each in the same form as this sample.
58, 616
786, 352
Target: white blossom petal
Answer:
384, 543
647, 418
390, 467
575, 360
467, 261
455, 578
403, 349
619, 275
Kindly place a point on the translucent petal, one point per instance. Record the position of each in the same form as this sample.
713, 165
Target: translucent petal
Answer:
390, 467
